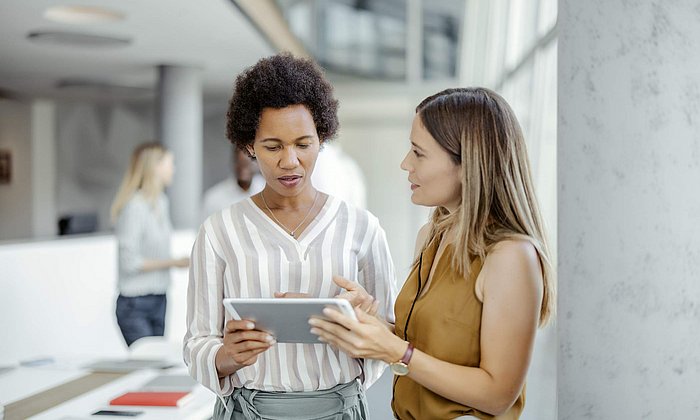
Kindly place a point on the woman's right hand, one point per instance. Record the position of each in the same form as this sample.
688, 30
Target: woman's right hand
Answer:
242, 345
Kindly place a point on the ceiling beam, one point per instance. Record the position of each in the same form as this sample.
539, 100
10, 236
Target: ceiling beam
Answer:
267, 17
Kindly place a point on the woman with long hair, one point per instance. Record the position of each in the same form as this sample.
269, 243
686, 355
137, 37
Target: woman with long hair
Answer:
482, 280
289, 240
140, 214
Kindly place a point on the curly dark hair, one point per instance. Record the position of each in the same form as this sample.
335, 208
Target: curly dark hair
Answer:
277, 82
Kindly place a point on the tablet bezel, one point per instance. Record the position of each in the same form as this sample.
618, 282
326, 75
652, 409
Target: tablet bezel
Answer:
286, 319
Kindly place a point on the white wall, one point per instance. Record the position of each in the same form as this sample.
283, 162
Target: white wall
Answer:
16, 197
94, 143
58, 298
629, 210
375, 124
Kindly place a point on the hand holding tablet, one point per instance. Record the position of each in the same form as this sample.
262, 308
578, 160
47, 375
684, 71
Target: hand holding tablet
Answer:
285, 319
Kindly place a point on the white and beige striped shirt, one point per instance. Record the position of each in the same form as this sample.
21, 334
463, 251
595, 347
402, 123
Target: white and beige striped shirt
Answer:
241, 252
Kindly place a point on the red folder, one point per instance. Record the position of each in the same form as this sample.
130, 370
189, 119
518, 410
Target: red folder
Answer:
159, 399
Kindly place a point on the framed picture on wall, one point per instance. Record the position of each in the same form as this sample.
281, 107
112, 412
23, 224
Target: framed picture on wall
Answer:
5, 166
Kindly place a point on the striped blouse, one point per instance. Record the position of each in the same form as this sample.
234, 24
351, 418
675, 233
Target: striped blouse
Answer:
241, 252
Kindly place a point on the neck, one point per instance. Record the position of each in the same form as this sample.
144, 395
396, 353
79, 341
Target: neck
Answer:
301, 201
451, 208
244, 184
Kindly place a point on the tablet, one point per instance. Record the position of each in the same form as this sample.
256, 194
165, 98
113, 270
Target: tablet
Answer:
286, 319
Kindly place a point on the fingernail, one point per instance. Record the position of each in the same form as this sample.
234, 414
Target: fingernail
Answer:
312, 321
250, 325
270, 338
314, 331
321, 339
327, 311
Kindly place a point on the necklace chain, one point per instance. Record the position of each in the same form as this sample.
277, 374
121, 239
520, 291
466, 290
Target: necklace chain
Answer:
291, 232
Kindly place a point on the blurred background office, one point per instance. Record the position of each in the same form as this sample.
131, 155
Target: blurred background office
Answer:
80, 86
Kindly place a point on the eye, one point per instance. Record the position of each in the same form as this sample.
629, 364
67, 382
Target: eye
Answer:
272, 148
304, 146
417, 153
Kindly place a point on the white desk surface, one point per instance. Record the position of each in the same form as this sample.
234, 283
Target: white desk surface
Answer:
22, 382
81, 407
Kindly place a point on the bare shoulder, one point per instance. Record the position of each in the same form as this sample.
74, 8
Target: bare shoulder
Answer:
513, 264
518, 251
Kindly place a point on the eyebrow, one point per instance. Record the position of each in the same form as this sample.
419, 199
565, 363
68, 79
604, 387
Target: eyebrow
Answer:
416, 146
308, 136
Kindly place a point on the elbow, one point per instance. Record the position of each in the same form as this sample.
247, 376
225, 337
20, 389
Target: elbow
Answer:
499, 404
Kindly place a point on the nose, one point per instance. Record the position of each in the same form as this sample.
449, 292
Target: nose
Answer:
404, 163
289, 159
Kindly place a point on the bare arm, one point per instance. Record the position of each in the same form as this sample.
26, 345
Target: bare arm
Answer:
512, 281
154, 265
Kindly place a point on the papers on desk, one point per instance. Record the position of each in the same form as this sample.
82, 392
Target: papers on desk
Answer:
170, 383
126, 365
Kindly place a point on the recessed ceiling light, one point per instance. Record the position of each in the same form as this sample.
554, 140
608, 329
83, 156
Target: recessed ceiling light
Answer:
77, 39
87, 86
82, 14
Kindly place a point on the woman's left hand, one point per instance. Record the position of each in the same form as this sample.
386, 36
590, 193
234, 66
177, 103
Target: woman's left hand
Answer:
364, 338
356, 295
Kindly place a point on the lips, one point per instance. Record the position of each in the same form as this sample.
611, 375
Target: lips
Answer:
413, 185
290, 180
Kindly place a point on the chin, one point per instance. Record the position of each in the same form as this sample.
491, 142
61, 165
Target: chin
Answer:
417, 201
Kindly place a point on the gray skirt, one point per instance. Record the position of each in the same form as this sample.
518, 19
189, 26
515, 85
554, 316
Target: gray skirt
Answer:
342, 402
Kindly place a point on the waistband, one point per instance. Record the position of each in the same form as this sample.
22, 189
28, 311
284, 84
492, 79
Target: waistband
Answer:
255, 404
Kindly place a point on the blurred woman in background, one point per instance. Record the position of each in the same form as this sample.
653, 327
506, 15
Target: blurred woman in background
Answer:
140, 214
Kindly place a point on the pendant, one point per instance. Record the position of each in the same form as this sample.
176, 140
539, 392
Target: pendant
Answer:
292, 235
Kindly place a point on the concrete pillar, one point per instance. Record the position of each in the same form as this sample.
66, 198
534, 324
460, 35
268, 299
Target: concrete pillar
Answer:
43, 145
629, 210
179, 105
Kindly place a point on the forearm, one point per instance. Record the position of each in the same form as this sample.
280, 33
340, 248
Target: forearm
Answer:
473, 387
155, 265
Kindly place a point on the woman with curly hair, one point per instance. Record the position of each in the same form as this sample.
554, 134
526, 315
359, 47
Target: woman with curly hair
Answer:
289, 240
482, 280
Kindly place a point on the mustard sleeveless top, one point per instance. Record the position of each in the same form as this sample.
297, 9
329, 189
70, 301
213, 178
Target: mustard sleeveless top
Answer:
446, 324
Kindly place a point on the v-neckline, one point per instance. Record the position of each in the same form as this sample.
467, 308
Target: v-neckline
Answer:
320, 221
434, 264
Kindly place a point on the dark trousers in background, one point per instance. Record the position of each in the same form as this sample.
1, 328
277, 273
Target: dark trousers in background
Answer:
141, 316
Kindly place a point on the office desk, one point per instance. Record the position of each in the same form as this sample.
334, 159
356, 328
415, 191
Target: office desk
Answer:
199, 407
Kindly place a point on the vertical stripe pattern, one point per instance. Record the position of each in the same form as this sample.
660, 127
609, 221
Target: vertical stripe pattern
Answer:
241, 252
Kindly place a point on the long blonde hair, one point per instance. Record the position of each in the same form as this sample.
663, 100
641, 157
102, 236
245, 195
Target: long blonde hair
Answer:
140, 177
479, 130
